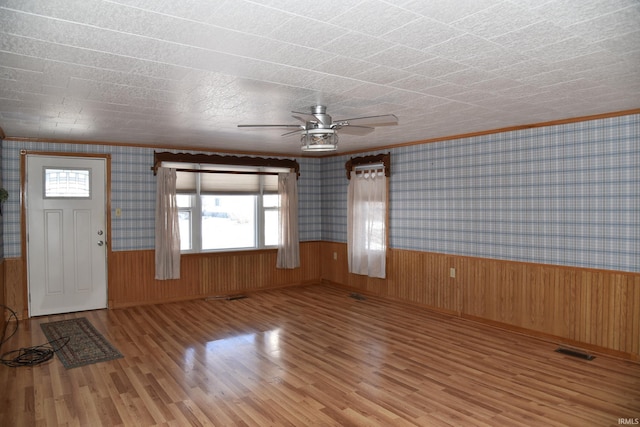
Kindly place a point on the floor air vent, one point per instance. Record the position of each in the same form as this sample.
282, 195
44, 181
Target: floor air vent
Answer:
357, 296
225, 297
575, 353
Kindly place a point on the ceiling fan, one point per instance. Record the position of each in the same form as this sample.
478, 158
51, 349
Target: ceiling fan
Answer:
319, 132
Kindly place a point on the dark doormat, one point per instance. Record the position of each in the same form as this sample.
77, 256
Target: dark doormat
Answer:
85, 346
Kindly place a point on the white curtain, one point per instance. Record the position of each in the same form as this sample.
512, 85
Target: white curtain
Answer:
167, 226
288, 237
366, 223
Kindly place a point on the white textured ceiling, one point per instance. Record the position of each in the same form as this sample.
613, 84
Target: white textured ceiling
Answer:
185, 73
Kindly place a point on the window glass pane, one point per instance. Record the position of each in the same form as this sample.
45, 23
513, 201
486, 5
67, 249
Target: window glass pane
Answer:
183, 200
271, 200
73, 183
271, 227
184, 221
228, 221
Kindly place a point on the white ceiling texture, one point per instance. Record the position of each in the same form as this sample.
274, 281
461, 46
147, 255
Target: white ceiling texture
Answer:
185, 73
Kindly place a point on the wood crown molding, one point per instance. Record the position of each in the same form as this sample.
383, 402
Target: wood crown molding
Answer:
353, 152
494, 131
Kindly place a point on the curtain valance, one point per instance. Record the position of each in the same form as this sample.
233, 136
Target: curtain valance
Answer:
216, 159
356, 163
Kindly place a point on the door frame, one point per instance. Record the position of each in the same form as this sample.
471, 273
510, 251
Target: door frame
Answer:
23, 216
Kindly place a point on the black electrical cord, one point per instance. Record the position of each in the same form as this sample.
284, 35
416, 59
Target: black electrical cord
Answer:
28, 356
12, 314
31, 356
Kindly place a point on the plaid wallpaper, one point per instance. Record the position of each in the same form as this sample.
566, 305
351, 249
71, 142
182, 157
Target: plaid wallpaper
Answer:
133, 187
309, 200
567, 194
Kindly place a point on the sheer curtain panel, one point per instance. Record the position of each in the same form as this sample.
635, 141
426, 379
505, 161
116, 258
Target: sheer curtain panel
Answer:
366, 223
167, 226
288, 237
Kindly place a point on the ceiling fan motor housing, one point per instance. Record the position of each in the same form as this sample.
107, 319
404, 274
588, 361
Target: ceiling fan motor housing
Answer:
324, 120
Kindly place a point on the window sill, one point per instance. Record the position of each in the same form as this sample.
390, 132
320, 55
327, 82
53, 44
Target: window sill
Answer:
227, 252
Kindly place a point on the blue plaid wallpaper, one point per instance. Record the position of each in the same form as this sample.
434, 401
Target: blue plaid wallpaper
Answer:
309, 200
133, 187
567, 194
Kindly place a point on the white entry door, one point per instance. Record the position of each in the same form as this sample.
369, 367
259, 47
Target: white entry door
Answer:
66, 234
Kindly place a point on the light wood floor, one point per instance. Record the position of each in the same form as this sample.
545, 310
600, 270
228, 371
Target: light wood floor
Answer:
313, 356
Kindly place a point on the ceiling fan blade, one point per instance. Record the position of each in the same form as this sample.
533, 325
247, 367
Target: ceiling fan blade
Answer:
318, 116
271, 126
384, 120
354, 130
304, 117
292, 132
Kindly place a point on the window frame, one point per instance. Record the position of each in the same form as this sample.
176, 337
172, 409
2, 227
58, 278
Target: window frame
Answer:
199, 163
197, 214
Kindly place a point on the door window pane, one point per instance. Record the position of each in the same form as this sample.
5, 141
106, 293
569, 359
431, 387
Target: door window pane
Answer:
72, 183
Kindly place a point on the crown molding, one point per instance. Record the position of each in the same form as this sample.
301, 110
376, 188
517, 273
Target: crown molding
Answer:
495, 131
354, 152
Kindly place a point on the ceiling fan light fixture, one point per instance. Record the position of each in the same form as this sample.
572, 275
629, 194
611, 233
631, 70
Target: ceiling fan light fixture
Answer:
319, 140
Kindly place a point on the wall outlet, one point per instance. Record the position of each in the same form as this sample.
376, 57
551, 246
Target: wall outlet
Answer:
335, 256
452, 272
118, 212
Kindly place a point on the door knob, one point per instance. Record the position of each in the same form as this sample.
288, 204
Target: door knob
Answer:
100, 243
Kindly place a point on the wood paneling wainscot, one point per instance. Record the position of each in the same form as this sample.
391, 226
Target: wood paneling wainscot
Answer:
14, 292
2, 297
417, 277
595, 308
591, 309
132, 282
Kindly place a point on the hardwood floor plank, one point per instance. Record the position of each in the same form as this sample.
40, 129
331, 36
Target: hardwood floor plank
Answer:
313, 356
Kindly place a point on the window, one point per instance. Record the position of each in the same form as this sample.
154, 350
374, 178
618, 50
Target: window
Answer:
69, 183
227, 207
367, 212
226, 202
